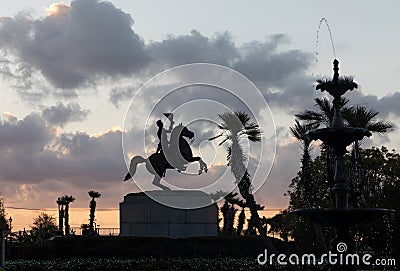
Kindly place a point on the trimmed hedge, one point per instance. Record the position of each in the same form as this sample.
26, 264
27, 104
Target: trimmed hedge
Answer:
175, 264
138, 247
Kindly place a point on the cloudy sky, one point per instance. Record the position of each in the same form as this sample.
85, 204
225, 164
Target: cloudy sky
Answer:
69, 72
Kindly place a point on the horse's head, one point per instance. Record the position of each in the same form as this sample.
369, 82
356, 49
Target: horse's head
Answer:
182, 131
187, 133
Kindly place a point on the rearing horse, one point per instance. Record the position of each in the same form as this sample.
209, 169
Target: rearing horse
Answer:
175, 156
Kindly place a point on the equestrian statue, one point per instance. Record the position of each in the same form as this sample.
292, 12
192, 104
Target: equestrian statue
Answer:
173, 154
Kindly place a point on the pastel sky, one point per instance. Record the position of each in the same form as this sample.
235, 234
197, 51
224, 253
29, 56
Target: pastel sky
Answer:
68, 72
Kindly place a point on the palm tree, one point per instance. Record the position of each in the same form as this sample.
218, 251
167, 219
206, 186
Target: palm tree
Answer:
298, 131
67, 199
363, 117
229, 210
236, 126
93, 195
241, 220
61, 204
228, 213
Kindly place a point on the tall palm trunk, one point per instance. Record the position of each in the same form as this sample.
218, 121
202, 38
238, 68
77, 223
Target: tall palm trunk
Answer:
60, 202
61, 218
241, 220
67, 226
228, 213
306, 174
92, 212
244, 184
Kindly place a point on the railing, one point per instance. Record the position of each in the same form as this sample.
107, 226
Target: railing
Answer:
100, 231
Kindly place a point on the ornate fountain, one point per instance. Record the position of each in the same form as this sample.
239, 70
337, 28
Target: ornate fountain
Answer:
338, 137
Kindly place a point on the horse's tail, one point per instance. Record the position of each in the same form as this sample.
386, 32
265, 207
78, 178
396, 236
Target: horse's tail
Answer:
132, 168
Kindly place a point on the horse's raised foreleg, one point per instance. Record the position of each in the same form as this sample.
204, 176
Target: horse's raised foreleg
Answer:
156, 182
203, 165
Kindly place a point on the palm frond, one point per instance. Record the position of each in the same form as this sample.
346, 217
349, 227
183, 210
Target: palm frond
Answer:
223, 141
67, 199
215, 137
363, 117
230, 122
253, 135
228, 153
381, 127
298, 130
233, 199
94, 194
310, 116
239, 124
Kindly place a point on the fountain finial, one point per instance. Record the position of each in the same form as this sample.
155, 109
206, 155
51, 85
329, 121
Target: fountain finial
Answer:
335, 70
338, 86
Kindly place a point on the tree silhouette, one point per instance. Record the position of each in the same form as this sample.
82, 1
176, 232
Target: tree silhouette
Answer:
3, 231
44, 226
235, 127
306, 182
362, 117
228, 213
298, 131
67, 199
381, 171
241, 220
93, 195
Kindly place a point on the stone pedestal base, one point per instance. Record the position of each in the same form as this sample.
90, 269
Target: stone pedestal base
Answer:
141, 215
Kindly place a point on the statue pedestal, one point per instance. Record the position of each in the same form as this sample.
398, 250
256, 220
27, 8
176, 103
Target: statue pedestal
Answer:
141, 215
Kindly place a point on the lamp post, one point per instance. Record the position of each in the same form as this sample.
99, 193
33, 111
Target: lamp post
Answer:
10, 236
10, 223
3, 244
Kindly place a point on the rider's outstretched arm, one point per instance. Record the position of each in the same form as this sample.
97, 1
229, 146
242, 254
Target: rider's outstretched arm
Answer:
171, 123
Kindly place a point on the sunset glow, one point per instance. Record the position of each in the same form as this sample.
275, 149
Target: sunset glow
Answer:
57, 9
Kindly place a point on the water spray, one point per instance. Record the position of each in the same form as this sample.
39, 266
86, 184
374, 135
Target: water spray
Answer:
324, 20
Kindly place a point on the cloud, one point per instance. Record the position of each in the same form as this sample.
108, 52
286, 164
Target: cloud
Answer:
184, 49
265, 62
74, 44
119, 94
386, 105
59, 114
91, 41
295, 94
31, 134
33, 153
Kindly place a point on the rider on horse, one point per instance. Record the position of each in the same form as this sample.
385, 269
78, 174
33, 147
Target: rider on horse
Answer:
175, 154
162, 133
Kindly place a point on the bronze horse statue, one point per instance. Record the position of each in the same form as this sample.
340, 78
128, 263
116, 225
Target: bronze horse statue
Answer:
176, 155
